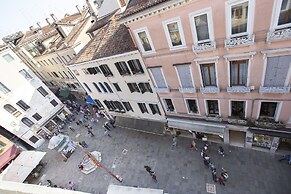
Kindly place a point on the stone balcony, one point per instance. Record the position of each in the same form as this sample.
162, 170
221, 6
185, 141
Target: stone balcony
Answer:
205, 46
275, 90
245, 40
216, 118
187, 90
162, 90
239, 121
239, 89
278, 35
209, 89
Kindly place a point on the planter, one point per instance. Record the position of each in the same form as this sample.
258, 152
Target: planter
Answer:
237, 121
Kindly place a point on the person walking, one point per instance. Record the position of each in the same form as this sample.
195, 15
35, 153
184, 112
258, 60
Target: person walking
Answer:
106, 133
71, 128
71, 185
193, 145
106, 126
90, 132
174, 144
149, 170
154, 177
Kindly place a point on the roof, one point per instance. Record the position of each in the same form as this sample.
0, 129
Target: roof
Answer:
111, 39
135, 6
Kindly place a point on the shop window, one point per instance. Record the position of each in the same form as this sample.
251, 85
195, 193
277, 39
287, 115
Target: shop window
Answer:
8, 58
192, 106
143, 108
105, 70
36, 116
54, 103
127, 106
3, 88
135, 66
33, 139
238, 73
238, 109
268, 109
169, 105
42, 91
213, 108
263, 141
117, 87
27, 121
122, 68
155, 109
23, 105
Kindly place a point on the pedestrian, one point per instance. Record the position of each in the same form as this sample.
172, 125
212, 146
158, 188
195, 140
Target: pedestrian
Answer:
106, 133
193, 145
90, 132
286, 157
78, 123
71, 128
220, 181
106, 126
174, 144
154, 177
149, 169
214, 177
71, 185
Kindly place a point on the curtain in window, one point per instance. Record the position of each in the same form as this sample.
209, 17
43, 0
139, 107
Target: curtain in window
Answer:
285, 13
174, 34
144, 41
208, 74
239, 18
201, 24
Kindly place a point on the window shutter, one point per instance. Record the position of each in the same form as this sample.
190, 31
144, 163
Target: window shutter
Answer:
185, 76
158, 77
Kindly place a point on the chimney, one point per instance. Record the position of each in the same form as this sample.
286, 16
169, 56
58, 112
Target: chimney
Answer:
54, 17
38, 24
31, 28
47, 20
78, 8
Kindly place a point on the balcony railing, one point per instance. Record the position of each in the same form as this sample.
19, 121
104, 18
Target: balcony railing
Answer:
275, 90
239, 41
216, 118
269, 123
276, 35
187, 90
209, 89
162, 90
205, 46
239, 89
237, 121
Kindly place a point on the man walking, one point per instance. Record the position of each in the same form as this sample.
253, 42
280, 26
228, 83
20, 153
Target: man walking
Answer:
90, 132
174, 144
149, 170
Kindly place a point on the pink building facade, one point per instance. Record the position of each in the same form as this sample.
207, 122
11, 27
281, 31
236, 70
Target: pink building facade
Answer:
221, 67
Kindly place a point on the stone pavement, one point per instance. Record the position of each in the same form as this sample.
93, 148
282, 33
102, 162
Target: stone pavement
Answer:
179, 170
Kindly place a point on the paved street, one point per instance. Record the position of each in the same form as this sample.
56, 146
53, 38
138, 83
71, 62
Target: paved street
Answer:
250, 172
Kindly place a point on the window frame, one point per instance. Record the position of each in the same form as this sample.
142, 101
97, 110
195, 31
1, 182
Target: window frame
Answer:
155, 107
230, 75
179, 77
207, 108
188, 108
106, 70
201, 76
135, 66
245, 108
118, 89
97, 87
42, 91
27, 122
23, 105
140, 45
25, 74
53, 101
4, 89
87, 87
275, 17
277, 111
126, 108
37, 117
122, 68
154, 79
8, 57
143, 105
166, 105
180, 28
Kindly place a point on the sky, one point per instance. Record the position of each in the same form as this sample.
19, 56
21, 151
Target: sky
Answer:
19, 15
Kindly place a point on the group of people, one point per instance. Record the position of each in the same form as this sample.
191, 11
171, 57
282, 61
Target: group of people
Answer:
206, 159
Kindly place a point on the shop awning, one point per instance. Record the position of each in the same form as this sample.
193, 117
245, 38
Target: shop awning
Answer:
272, 132
22, 166
89, 100
117, 189
198, 126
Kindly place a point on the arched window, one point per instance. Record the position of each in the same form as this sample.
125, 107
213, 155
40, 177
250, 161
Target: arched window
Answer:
87, 87
97, 88
10, 108
108, 87
27, 121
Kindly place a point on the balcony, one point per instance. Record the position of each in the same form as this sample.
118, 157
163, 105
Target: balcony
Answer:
278, 35
209, 89
205, 46
187, 90
269, 123
236, 120
162, 90
215, 118
239, 89
275, 90
239, 41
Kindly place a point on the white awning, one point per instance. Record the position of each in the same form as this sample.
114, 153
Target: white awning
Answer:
198, 126
22, 166
116, 189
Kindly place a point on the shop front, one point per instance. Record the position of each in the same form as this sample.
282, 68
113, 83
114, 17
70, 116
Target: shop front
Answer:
207, 131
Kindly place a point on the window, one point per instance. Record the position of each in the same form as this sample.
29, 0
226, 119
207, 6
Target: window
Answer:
208, 74
268, 109
238, 73
25, 74
127, 106
87, 87
239, 18
108, 87
145, 87
23, 105
122, 68
54, 103
105, 70
49, 74
97, 88
42, 91
158, 77
155, 109
93, 70
118, 106
99, 104
69, 57
192, 106
135, 66
109, 105
169, 105
117, 87
33, 139
142, 107
212, 107
3, 88
8, 58
66, 74
133, 87
65, 59
103, 88
9, 108
285, 13
61, 75
185, 76
59, 60
55, 74
76, 72
45, 62
72, 76
238, 109
277, 71
36, 116
27, 121
50, 61
144, 40
174, 33
55, 61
